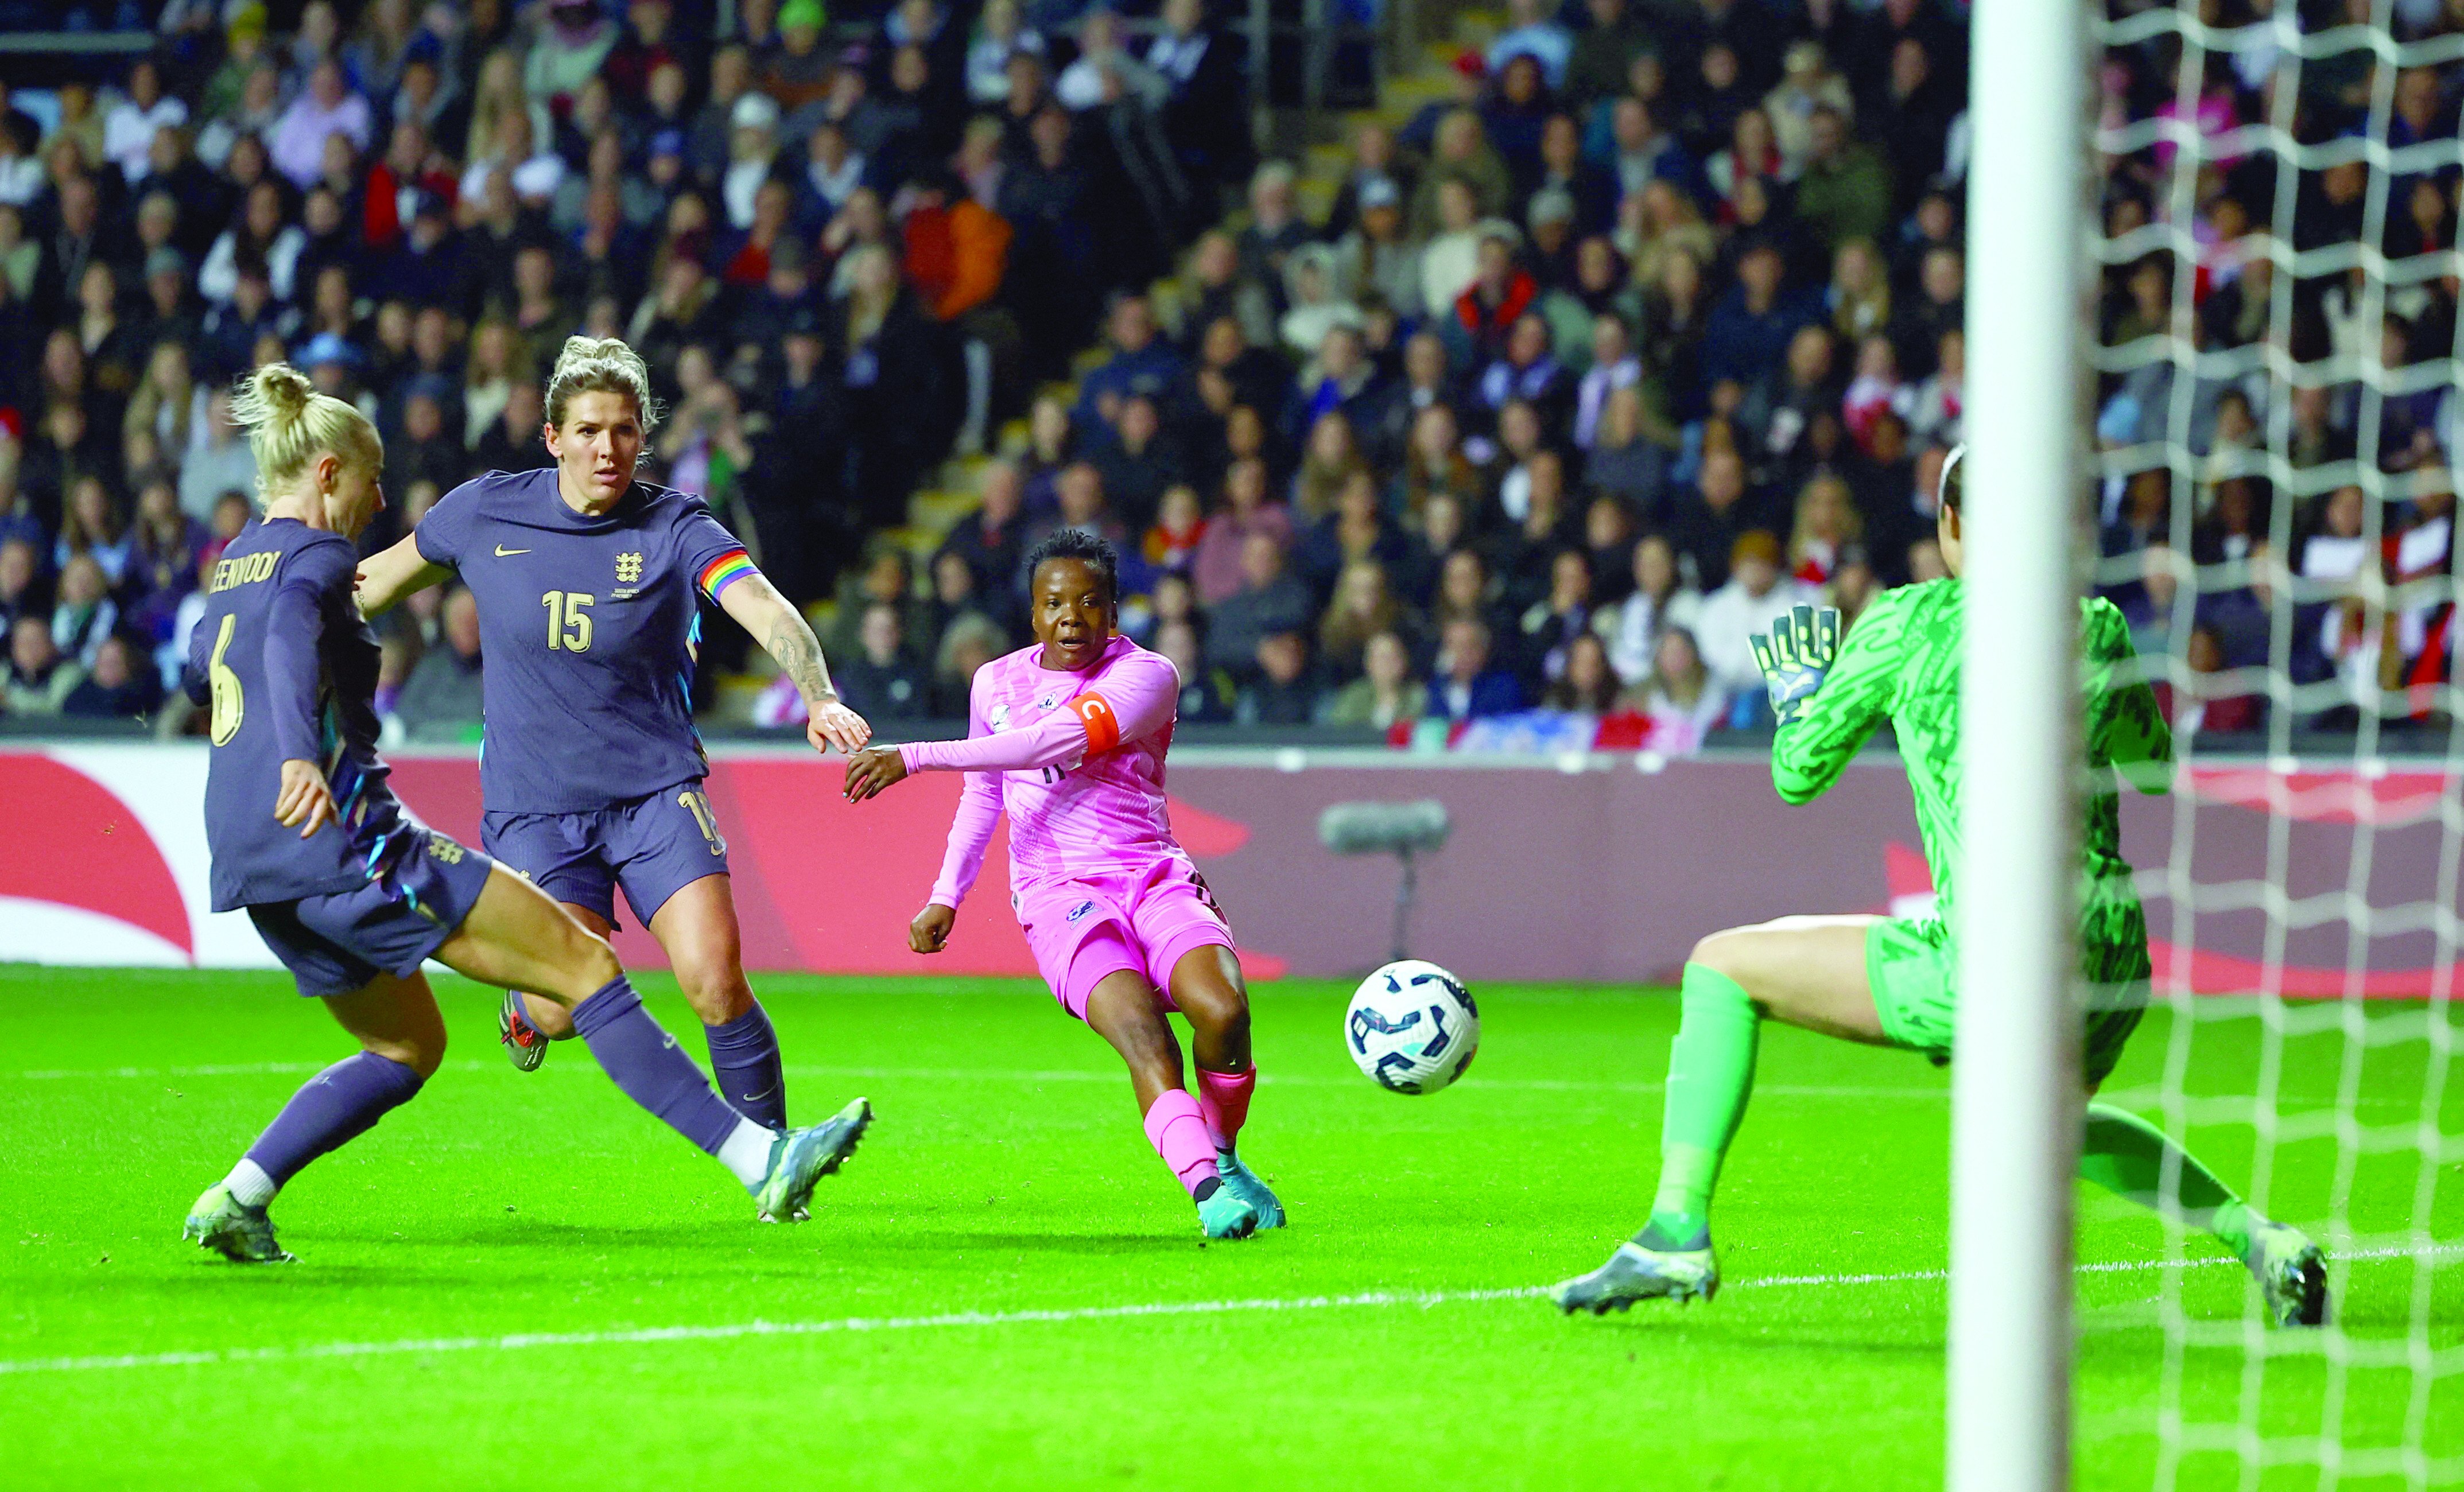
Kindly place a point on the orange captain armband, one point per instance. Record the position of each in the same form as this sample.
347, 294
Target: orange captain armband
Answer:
1103, 726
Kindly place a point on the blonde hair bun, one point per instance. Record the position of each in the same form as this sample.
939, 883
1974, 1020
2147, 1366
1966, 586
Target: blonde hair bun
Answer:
290, 424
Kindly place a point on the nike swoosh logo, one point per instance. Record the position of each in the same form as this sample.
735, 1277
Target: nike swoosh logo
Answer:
755, 1098
502, 551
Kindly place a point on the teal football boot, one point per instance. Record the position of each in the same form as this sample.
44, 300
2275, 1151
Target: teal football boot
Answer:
1635, 1273
1225, 1213
242, 1235
1243, 1183
799, 1159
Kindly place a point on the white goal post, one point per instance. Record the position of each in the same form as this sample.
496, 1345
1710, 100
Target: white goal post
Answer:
2016, 1099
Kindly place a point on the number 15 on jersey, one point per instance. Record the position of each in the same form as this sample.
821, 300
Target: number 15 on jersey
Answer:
568, 620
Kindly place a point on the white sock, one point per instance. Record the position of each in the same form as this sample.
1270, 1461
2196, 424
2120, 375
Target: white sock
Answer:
249, 1184
746, 1152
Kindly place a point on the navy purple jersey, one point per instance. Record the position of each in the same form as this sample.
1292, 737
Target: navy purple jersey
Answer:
589, 627
291, 674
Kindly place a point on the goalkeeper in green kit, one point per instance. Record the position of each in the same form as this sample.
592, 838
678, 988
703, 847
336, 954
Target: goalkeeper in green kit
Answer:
1892, 981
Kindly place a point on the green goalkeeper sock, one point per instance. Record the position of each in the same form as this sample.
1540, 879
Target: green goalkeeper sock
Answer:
2125, 1154
1710, 1072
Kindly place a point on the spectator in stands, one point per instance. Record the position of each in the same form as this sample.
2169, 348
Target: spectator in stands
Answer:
1279, 690
1549, 624
1659, 602
1467, 686
1710, 233
882, 681
1450, 256
1626, 462
1142, 362
1270, 600
970, 642
2211, 703
85, 614
1706, 524
898, 405
1171, 540
128, 129
1828, 530
1208, 695
122, 685
326, 106
1587, 685
1684, 702
1385, 694
989, 538
441, 698
1220, 566
39, 680
22, 593
1364, 607
1080, 502
1757, 590
1330, 462
1138, 459
1535, 33
1376, 256
1745, 335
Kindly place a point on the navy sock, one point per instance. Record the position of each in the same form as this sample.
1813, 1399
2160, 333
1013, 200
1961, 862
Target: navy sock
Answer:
331, 1109
645, 1061
744, 1062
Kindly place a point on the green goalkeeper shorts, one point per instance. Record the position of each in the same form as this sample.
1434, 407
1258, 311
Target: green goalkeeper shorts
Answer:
1908, 963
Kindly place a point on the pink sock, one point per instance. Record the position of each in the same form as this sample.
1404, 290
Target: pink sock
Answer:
1224, 1103
1180, 1136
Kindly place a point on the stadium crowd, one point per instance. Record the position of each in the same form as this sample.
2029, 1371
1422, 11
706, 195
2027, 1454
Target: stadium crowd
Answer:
846, 241
1650, 330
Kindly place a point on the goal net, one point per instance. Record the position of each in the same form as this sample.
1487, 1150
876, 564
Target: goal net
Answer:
2274, 341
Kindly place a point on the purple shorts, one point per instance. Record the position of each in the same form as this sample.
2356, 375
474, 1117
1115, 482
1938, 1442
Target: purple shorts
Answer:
340, 942
1140, 920
653, 847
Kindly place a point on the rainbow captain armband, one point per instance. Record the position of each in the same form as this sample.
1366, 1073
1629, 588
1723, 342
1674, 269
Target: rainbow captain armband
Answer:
725, 571
1103, 726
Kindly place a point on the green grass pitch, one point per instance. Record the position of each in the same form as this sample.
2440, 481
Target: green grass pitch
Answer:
1005, 1288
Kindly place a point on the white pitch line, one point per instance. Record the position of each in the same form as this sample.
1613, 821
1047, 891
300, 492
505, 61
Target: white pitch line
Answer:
254, 1069
1817, 1090
846, 1324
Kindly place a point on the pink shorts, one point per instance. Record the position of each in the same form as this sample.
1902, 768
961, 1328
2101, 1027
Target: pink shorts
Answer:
1141, 920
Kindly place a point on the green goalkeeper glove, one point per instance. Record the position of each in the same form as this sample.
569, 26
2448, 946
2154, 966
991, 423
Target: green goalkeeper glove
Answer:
1795, 657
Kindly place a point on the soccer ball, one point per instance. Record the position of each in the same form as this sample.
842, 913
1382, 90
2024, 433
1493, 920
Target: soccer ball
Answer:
1412, 1026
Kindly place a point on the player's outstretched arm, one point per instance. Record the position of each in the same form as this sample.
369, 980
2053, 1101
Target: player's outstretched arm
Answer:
783, 634
1850, 697
1134, 701
391, 576
2125, 724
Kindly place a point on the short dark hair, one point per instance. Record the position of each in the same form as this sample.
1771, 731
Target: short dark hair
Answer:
1092, 550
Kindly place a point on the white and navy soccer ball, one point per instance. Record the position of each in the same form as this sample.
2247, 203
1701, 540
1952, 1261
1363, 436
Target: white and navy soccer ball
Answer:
1412, 1026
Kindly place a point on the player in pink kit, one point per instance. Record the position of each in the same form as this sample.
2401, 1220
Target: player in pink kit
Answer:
1067, 736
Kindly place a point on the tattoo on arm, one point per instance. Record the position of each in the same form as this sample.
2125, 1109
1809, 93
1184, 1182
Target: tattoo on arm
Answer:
799, 655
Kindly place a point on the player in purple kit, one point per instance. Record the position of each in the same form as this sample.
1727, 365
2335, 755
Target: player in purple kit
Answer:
1067, 737
349, 890
589, 585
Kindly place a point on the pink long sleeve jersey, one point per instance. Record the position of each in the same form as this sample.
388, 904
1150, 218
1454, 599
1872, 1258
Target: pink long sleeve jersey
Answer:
1075, 759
